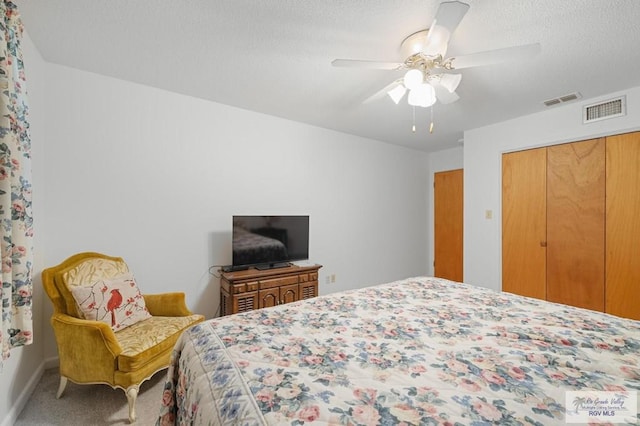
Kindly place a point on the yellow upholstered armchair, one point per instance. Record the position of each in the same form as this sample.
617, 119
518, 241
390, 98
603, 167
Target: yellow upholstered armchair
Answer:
106, 330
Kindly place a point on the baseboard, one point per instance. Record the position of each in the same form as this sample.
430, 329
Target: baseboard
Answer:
14, 412
53, 362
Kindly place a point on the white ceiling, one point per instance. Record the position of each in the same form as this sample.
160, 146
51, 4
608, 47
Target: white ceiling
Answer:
274, 56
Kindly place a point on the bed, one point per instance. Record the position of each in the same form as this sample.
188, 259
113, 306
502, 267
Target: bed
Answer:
421, 351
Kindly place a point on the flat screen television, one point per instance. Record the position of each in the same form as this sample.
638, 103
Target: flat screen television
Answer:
266, 242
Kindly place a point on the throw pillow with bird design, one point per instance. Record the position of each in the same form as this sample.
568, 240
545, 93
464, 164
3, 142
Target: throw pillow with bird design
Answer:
117, 302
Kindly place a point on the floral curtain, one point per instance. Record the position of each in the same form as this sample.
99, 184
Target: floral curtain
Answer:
16, 221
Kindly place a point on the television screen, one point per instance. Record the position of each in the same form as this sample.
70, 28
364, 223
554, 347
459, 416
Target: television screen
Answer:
269, 241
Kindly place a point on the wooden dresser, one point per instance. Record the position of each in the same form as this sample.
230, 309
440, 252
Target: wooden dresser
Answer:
242, 291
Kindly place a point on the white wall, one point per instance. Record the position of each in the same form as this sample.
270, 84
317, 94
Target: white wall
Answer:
450, 159
155, 177
22, 370
482, 172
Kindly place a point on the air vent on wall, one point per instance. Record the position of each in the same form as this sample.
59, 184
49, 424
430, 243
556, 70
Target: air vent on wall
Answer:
607, 109
562, 99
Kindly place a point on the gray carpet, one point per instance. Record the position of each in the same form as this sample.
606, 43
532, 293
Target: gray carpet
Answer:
83, 405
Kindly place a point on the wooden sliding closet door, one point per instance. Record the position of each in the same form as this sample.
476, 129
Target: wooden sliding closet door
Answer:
448, 209
623, 226
576, 224
524, 222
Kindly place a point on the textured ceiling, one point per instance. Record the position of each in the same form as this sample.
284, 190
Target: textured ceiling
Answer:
274, 56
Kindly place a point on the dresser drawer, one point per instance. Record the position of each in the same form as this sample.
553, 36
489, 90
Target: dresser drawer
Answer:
237, 288
277, 282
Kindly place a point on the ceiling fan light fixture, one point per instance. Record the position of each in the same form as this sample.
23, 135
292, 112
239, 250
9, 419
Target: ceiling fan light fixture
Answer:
397, 93
450, 81
413, 78
423, 96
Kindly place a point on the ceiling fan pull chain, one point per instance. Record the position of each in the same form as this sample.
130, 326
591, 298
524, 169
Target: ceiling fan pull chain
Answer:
431, 125
413, 128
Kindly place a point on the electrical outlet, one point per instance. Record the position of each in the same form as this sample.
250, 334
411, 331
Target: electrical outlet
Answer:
333, 278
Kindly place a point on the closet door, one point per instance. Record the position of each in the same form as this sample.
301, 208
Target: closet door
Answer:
623, 226
524, 222
448, 208
576, 224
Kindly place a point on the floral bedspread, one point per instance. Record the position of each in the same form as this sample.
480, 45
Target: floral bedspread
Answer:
421, 351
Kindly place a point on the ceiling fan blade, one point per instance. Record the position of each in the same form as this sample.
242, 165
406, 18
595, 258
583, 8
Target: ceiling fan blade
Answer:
443, 95
447, 19
382, 92
491, 57
356, 63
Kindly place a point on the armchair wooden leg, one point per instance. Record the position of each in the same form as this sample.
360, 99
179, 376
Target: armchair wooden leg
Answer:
61, 386
132, 395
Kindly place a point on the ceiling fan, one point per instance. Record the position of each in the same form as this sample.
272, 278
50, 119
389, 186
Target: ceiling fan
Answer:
430, 75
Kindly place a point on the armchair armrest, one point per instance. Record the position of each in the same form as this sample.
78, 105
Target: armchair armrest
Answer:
87, 349
167, 304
